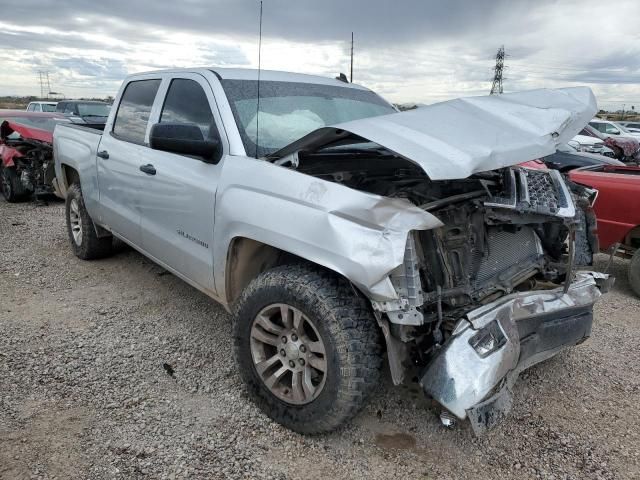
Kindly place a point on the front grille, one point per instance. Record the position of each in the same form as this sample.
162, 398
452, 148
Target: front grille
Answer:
507, 255
542, 192
535, 191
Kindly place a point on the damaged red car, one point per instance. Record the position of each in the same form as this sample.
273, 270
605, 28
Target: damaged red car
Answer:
617, 209
26, 154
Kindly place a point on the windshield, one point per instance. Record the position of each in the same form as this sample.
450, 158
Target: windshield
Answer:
621, 127
93, 110
290, 110
589, 131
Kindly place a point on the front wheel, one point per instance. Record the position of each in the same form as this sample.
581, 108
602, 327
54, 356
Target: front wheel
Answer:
12, 188
634, 272
307, 346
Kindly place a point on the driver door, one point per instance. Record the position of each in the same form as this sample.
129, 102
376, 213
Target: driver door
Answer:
177, 193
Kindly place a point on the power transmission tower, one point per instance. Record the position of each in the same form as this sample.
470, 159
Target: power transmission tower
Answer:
45, 85
497, 77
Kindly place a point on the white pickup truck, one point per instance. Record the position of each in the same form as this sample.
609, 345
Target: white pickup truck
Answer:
335, 228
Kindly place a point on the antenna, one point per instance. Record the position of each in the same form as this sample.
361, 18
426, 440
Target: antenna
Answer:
259, 67
351, 77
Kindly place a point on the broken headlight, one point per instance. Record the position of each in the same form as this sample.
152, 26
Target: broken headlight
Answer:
488, 339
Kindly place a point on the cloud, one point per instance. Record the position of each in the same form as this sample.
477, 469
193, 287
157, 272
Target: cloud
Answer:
413, 50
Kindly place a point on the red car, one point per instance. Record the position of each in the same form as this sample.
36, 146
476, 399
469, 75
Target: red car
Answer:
617, 209
26, 153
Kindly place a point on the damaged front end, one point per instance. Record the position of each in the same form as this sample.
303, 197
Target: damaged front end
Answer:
490, 287
492, 291
29, 152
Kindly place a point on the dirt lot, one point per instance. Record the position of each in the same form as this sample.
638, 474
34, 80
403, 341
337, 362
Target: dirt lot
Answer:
85, 392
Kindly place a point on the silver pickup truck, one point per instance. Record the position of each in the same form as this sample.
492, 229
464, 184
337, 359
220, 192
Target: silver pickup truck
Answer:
336, 229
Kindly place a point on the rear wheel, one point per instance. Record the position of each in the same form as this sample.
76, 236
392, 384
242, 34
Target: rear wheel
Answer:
12, 188
634, 272
85, 243
307, 347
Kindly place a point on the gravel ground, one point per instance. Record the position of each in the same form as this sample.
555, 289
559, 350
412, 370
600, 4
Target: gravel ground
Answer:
87, 348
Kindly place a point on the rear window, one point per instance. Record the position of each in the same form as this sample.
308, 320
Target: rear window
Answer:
134, 110
93, 110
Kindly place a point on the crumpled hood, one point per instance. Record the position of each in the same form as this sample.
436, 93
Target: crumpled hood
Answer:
457, 138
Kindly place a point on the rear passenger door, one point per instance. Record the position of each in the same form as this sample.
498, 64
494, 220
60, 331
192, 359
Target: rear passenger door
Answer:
122, 150
177, 201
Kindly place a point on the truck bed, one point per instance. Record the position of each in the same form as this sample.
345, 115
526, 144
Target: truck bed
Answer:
76, 147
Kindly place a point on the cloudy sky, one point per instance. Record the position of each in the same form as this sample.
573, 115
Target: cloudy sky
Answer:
407, 50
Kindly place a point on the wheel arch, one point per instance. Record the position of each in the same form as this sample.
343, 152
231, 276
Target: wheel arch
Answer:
247, 258
633, 237
69, 176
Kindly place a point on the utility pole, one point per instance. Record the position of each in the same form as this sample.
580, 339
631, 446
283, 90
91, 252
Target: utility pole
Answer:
351, 76
497, 77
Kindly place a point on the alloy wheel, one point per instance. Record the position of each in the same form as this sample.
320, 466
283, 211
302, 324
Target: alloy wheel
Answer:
288, 354
76, 221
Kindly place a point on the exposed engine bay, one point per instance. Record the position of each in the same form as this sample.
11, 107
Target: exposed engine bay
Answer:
508, 230
31, 158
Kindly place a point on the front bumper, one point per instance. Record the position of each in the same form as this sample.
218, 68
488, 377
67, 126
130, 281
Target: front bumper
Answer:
527, 327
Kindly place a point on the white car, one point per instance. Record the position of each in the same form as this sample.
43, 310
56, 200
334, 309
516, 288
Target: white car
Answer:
585, 143
42, 107
631, 126
608, 127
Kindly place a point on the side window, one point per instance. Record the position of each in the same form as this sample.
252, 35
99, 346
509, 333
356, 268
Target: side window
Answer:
186, 102
69, 108
134, 110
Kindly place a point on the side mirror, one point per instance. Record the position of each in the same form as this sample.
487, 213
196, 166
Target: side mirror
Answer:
185, 139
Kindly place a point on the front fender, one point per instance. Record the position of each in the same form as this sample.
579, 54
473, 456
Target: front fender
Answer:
359, 235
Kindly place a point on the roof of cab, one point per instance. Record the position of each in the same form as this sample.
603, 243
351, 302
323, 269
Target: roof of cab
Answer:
266, 75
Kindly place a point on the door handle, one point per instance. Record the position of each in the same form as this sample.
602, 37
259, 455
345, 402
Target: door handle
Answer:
148, 169
103, 154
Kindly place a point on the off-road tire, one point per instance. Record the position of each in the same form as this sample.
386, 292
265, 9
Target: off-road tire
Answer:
12, 188
91, 246
634, 272
347, 328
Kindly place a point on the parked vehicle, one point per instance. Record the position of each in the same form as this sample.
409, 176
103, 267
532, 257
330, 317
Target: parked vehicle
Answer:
333, 226
631, 126
42, 107
617, 209
588, 144
608, 127
85, 112
27, 167
567, 158
626, 149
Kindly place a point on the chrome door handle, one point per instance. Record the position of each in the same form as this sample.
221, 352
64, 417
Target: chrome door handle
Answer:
103, 154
